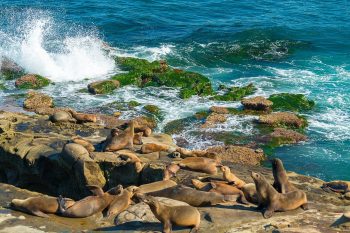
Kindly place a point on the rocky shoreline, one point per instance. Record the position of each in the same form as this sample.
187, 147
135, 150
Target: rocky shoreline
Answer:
34, 156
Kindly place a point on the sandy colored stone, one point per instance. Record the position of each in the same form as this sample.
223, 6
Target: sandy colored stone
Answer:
219, 110
36, 100
258, 103
282, 119
213, 119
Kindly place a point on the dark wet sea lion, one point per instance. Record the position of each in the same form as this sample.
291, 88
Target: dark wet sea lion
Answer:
273, 201
281, 183
184, 216
338, 186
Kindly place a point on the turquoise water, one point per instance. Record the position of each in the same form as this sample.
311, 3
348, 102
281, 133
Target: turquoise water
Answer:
286, 46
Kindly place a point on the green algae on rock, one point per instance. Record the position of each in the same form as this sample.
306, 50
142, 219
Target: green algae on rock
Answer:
36, 100
10, 70
143, 73
133, 103
103, 87
283, 119
2, 87
32, 81
235, 93
153, 109
291, 102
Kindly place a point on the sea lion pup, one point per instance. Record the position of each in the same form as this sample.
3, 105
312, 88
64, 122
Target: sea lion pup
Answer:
156, 147
192, 196
138, 138
170, 171
89, 205
132, 157
119, 139
337, 186
184, 216
200, 164
121, 202
250, 194
85, 143
147, 131
274, 201
221, 188
155, 186
83, 117
39, 206
281, 183
230, 177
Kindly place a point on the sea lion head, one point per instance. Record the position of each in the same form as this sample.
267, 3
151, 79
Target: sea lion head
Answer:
133, 189
257, 177
276, 164
116, 190
138, 138
225, 168
115, 132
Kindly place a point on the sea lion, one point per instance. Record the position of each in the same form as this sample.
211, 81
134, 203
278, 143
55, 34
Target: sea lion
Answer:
170, 171
273, 201
219, 187
195, 153
156, 147
61, 116
200, 164
120, 139
89, 205
156, 186
347, 215
250, 194
39, 206
230, 177
85, 143
121, 202
138, 138
83, 117
147, 131
184, 216
281, 183
337, 186
192, 196
132, 157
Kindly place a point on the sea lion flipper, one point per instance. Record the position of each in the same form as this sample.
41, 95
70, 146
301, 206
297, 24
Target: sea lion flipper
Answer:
96, 190
268, 212
305, 206
39, 214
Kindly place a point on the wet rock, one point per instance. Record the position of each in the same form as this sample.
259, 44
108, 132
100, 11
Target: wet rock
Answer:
9, 69
257, 103
143, 121
235, 93
153, 109
213, 119
152, 172
103, 87
36, 100
291, 102
32, 81
282, 136
238, 154
219, 109
283, 119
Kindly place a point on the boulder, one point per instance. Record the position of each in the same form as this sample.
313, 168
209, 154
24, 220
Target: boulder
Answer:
257, 103
282, 136
283, 119
143, 121
36, 100
153, 109
32, 81
291, 102
9, 69
103, 87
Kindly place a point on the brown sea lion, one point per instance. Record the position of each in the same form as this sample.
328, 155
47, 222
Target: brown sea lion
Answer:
230, 177
200, 164
138, 138
156, 147
132, 157
89, 205
281, 183
84, 117
62, 116
156, 186
337, 186
184, 216
85, 143
170, 171
250, 193
192, 196
195, 153
147, 131
347, 215
121, 202
39, 206
273, 201
120, 139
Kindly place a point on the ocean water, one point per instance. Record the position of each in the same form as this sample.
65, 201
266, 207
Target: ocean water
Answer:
280, 46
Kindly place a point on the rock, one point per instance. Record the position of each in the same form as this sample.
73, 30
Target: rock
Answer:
235, 93
213, 119
152, 172
283, 119
347, 197
219, 109
153, 109
257, 103
143, 73
103, 87
291, 102
143, 121
238, 154
282, 136
133, 103
9, 69
50, 111
32, 81
36, 100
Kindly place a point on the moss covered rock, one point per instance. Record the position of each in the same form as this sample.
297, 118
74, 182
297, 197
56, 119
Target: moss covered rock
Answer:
281, 136
283, 119
235, 93
153, 109
32, 81
143, 73
291, 102
257, 103
36, 100
10, 70
133, 103
2, 87
103, 87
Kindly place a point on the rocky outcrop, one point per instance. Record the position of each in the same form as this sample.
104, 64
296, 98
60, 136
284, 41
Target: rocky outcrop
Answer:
291, 102
283, 119
219, 109
235, 93
281, 136
257, 103
9, 69
103, 87
40, 101
32, 81
213, 119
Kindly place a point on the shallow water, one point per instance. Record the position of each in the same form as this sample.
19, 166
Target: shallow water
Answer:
289, 46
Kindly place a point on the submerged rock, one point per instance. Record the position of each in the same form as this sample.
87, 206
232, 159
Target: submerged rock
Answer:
291, 102
35, 100
257, 103
32, 81
282, 136
103, 87
153, 109
235, 93
283, 119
